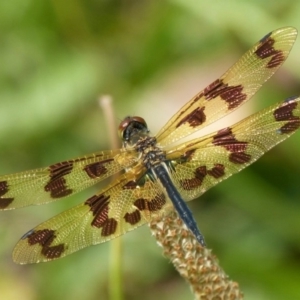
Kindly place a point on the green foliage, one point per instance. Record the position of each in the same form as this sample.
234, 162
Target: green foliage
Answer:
58, 57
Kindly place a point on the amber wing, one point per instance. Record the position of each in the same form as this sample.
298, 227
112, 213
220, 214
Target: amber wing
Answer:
233, 89
202, 163
62, 179
121, 207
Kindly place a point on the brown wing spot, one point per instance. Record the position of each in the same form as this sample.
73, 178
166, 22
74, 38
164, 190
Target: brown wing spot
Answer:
195, 118
58, 188
266, 50
130, 185
239, 157
133, 218
133, 184
232, 95
289, 127
57, 183
61, 169
210, 90
99, 208
200, 173
153, 205
45, 238
188, 155
217, 171
193, 183
97, 169
225, 138
285, 113
4, 202
277, 59
183, 111
3, 188
109, 227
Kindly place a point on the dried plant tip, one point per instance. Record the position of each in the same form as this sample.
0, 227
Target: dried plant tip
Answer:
194, 262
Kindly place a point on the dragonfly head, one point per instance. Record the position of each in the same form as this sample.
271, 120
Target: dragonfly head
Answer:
132, 129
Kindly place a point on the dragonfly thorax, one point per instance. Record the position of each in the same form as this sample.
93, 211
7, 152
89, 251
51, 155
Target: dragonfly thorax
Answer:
151, 154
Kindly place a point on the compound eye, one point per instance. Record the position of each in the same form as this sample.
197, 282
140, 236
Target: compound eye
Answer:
129, 125
123, 125
139, 121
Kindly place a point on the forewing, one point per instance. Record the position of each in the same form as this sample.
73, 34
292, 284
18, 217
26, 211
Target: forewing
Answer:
233, 89
202, 163
60, 180
123, 206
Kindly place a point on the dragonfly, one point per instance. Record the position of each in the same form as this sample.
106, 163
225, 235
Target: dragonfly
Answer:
153, 175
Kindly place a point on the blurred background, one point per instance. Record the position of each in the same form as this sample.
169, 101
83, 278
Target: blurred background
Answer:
58, 57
